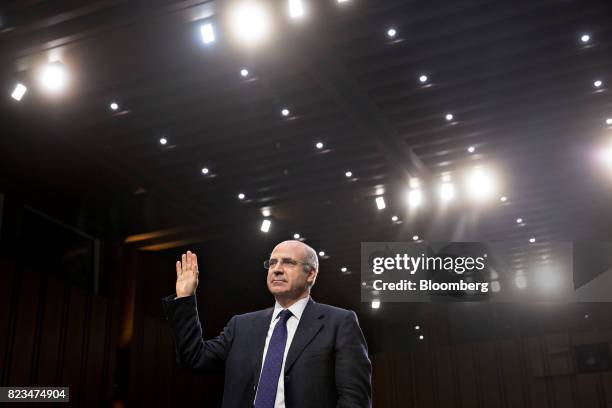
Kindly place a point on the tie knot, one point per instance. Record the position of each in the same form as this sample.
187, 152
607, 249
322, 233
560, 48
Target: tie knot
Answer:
285, 315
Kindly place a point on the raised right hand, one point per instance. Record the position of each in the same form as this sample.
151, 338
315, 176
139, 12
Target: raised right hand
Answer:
187, 275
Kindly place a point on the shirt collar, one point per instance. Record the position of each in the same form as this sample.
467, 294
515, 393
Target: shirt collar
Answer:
296, 309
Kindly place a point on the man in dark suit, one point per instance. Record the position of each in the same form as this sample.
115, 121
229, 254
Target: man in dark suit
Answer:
297, 354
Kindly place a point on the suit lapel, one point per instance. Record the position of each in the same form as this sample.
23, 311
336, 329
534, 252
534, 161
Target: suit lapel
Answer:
257, 340
310, 324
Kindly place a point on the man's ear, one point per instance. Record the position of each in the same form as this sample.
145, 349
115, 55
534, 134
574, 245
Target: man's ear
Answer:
312, 274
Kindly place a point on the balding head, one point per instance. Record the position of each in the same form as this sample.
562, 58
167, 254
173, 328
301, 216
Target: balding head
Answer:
309, 255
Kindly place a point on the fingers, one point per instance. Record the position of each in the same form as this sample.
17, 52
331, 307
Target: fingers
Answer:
178, 269
188, 263
195, 264
183, 263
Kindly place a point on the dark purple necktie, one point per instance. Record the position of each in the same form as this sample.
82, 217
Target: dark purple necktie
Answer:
268, 381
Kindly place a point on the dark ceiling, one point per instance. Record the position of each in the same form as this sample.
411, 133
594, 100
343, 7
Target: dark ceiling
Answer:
515, 75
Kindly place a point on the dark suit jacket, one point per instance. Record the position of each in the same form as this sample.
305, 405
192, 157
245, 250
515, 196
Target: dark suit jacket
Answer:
327, 364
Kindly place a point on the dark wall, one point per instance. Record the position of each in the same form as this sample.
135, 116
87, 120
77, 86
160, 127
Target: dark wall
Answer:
53, 334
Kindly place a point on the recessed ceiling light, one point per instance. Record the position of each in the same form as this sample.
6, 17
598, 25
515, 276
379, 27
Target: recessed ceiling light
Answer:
54, 77
321, 253
585, 38
348, 174
532, 240
244, 72
415, 237
241, 196
417, 327
449, 117
19, 91
519, 220
481, 184
319, 145
415, 197
380, 203
205, 170
376, 304
394, 218
423, 79
609, 121
343, 269
391, 32
208, 33
285, 112
296, 8
597, 83
250, 21
114, 106
163, 141
447, 191
471, 149
503, 199
296, 236
265, 212
421, 337
265, 225
343, 1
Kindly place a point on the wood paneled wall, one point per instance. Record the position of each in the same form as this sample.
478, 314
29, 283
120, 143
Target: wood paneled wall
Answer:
520, 373
52, 334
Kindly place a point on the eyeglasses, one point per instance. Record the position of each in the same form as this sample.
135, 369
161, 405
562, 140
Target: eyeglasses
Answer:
288, 262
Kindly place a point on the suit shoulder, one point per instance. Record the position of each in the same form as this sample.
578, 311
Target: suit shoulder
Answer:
338, 311
254, 314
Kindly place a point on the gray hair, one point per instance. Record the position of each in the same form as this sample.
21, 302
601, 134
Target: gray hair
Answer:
311, 257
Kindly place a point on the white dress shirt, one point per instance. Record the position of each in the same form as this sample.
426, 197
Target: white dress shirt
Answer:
296, 310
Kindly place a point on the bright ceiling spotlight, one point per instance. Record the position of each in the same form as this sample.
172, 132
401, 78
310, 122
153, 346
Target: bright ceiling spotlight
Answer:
532, 240
376, 304
205, 170
415, 197
415, 237
423, 79
53, 77
380, 203
597, 84
285, 112
18, 92
114, 106
519, 220
394, 218
296, 236
250, 21
265, 212
503, 199
343, 1
605, 156
417, 327
447, 191
520, 281
265, 225
449, 117
348, 174
343, 269
391, 32
609, 121
585, 38
163, 141
471, 149
321, 253
480, 184
208, 33
241, 196
244, 72
296, 8
421, 337
319, 145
